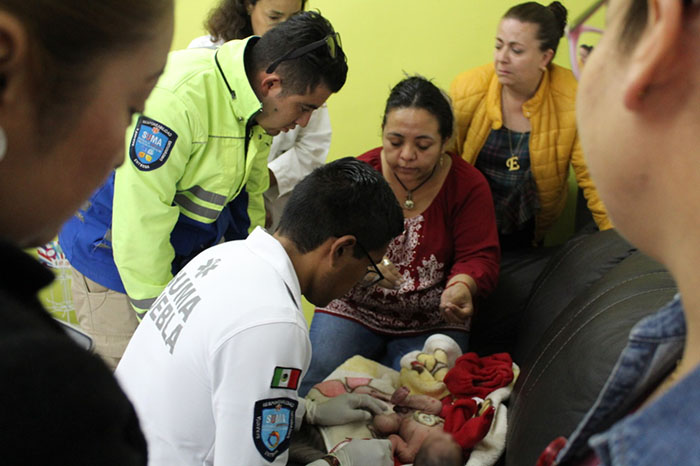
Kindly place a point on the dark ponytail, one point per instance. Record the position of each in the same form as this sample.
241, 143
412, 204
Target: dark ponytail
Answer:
560, 15
551, 21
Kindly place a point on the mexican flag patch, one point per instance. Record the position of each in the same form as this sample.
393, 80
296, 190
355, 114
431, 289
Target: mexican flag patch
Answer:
286, 377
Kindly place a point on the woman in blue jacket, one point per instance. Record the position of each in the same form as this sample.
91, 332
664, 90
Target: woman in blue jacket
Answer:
639, 113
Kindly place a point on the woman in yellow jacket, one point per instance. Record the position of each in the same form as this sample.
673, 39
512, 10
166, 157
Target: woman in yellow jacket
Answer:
516, 123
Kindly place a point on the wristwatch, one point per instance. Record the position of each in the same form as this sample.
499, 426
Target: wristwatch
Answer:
332, 460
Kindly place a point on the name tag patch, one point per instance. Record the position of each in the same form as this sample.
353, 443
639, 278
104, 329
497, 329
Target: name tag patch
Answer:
151, 144
273, 423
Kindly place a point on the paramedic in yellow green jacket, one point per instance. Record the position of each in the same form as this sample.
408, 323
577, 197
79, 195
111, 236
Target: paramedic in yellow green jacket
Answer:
195, 168
516, 122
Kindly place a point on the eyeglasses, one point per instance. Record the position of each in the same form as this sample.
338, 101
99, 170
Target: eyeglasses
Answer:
373, 274
332, 41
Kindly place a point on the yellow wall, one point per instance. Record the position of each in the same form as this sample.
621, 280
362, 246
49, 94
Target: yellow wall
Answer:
385, 38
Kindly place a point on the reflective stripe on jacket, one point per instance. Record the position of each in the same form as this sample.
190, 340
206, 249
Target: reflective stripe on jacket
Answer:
144, 225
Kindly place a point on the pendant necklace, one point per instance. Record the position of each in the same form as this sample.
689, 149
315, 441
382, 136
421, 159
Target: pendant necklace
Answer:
408, 204
512, 162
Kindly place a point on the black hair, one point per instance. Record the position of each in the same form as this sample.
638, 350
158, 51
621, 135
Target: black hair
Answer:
551, 21
305, 73
636, 20
419, 92
343, 197
68, 38
230, 20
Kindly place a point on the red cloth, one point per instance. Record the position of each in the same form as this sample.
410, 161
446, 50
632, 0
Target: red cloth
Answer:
475, 376
455, 234
550, 453
463, 424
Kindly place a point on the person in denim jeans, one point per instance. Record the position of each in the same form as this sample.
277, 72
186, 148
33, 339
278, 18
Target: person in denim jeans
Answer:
638, 114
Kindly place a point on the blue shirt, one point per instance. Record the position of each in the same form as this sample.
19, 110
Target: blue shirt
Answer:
662, 432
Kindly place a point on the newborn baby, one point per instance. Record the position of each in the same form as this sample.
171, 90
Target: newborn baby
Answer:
415, 430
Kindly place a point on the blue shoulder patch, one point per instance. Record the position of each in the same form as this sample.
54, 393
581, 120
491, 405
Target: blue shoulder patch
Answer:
273, 423
151, 144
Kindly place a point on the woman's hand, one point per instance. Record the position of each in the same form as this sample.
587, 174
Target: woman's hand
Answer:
456, 301
392, 277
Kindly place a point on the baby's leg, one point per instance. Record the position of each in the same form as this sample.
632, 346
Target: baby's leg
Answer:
386, 424
425, 403
400, 395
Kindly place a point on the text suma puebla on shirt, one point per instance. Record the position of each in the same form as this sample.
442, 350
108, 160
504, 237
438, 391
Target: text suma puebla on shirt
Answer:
173, 307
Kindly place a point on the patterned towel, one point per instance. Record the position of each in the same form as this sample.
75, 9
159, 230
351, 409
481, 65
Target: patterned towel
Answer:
362, 375
356, 375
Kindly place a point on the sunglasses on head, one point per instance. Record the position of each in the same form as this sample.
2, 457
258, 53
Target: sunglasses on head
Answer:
332, 41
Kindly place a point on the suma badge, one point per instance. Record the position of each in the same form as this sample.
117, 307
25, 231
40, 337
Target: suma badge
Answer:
151, 144
273, 423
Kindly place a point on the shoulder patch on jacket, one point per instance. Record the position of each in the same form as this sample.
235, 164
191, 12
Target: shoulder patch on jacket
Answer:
273, 423
151, 144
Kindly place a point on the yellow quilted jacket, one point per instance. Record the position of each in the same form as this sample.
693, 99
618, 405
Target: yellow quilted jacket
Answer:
554, 143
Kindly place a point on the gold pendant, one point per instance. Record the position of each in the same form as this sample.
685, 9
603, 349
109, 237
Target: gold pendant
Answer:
408, 204
512, 163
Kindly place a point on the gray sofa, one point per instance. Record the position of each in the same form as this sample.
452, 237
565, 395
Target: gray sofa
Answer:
575, 324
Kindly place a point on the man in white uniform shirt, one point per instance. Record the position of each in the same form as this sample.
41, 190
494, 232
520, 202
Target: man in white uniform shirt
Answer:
214, 366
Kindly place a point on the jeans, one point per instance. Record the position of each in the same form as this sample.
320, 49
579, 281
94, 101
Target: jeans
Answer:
336, 339
661, 432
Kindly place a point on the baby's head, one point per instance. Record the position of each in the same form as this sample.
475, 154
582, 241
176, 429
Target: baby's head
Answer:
439, 449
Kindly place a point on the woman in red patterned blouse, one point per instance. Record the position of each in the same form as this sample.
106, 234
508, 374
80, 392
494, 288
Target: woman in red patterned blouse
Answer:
447, 256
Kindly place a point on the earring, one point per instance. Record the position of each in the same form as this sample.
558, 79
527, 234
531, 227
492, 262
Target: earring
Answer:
3, 143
